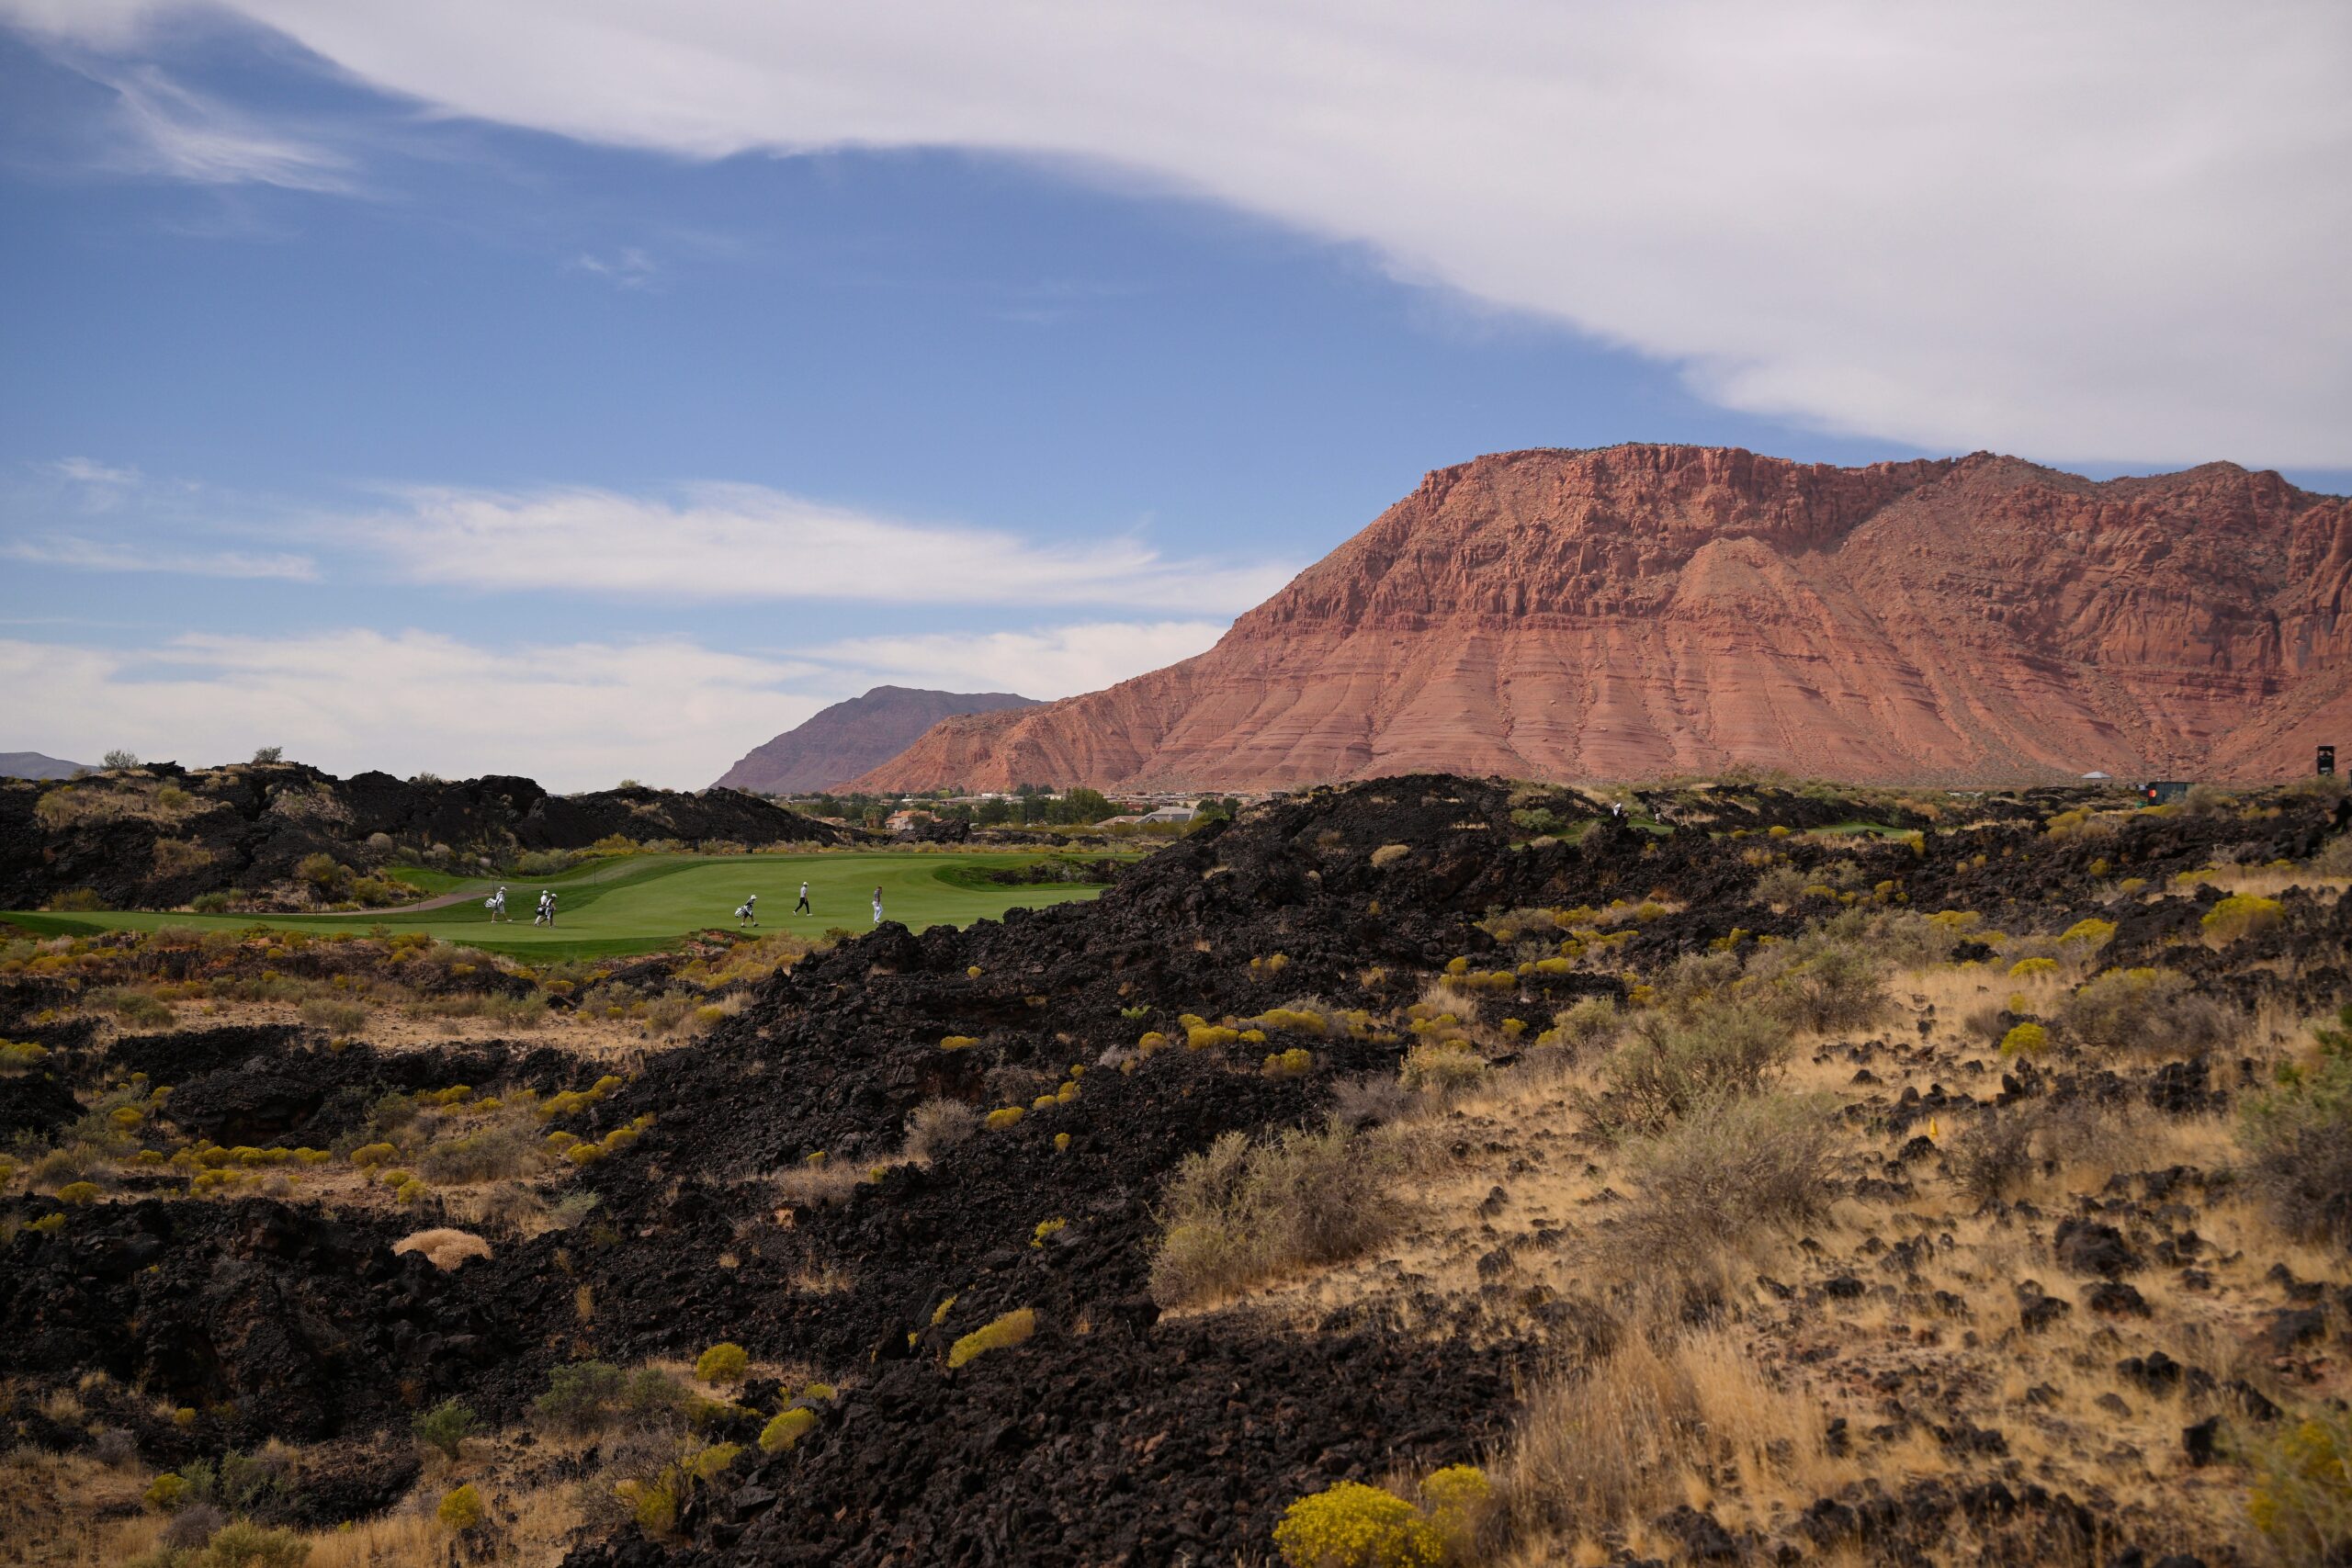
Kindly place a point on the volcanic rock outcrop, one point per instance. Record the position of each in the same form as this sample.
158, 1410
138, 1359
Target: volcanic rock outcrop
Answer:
1641, 610
845, 739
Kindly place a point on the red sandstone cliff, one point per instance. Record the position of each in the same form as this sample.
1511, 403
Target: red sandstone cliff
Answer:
1642, 610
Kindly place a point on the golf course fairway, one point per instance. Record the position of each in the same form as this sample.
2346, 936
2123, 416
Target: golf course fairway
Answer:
642, 902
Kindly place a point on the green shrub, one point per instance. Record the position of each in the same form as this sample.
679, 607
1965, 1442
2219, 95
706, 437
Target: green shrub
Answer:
2301, 1499
2151, 1010
779, 1435
1013, 1329
1668, 1065
1442, 1067
134, 1007
1240, 1213
75, 900
723, 1363
461, 1510
2242, 915
1731, 1165
2025, 1040
445, 1427
1003, 1117
2298, 1138
340, 1019
1350, 1525
587, 1395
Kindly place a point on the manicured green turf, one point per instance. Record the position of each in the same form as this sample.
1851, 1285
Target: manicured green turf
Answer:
643, 902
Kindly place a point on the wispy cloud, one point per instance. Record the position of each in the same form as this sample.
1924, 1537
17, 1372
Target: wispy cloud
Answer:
82, 554
710, 542
171, 129
628, 268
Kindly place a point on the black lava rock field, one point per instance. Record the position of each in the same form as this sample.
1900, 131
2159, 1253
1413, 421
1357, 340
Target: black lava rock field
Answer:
1407, 959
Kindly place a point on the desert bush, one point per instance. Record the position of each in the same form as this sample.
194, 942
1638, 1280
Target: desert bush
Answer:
1441, 1067
461, 1509
723, 1363
241, 1544
1388, 855
442, 1248
1822, 982
2153, 1011
494, 1154
191, 1529
180, 857
445, 1427
1668, 1066
1003, 1117
2301, 1499
1694, 978
1779, 884
2298, 1138
779, 1435
1350, 1524
1732, 1164
2027, 1039
1993, 1155
999, 1334
340, 1019
1591, 1024
589, 1395
2242, 915
937, 1125
1369, 1100
1239, 1212
133, 1006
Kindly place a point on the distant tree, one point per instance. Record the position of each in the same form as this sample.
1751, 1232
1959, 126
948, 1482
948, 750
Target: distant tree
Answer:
992, 813
630, 784
1082, 806
120, 758
1213, 809
270, 754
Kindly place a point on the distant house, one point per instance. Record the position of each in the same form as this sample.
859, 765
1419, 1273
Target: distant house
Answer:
907, 822
1170, 813
2095, 777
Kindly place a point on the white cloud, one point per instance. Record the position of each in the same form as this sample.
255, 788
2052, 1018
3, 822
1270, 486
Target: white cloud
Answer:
168, 128
577, 716
738, 542
2113, 229
83, 554
631, 268
1048, 661
90, 471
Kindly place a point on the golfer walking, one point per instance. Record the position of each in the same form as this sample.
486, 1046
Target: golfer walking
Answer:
745, 913
545, 917
496, 905
878, 905
802, 907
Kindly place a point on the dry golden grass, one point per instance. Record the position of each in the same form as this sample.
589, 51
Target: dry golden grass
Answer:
444, 1248
71, 1511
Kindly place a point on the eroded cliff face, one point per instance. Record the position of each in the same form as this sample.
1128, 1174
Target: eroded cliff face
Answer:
1641, 610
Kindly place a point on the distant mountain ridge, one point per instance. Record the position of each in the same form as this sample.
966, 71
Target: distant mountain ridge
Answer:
837, 744
1636, 611
35, 765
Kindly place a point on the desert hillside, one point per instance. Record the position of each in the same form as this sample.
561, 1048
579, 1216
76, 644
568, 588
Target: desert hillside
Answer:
840, 743
1634, 611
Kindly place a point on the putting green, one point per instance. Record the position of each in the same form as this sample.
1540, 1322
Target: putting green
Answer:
642, 902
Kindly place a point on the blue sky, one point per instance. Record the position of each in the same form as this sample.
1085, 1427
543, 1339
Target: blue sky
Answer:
585, 416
